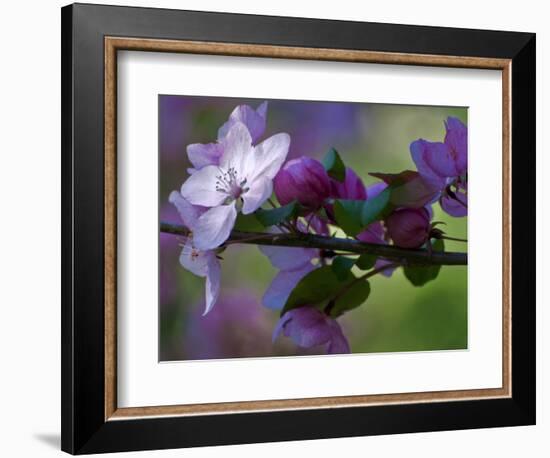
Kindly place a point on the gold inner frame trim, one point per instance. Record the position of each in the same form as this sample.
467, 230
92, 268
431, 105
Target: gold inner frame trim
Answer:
114, 44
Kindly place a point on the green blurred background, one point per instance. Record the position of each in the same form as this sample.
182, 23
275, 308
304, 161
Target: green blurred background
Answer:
370, 138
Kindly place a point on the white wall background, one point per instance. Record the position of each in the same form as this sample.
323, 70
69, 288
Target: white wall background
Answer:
30, 227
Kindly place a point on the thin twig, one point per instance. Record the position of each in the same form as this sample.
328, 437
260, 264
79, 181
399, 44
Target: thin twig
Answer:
455, 239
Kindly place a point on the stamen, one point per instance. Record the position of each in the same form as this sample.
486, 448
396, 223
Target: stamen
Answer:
228, 183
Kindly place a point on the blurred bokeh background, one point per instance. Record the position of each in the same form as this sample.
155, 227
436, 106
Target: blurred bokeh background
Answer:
370, 138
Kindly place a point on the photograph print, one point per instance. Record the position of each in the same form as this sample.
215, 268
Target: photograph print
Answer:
301, 228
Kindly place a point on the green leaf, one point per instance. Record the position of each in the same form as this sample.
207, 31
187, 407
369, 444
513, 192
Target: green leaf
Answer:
366, 261
420, 275
317, 286
334, 165
351, 298
348, 215
276, 215
248, 223
342, 267
355, 215
375, 208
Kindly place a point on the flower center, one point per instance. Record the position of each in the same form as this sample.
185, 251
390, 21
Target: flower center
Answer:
229, 183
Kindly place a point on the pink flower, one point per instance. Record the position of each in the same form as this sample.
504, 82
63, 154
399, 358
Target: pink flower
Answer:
409, 227
201, 155
243, 180
303, 179
201, 263
445, 165
309, 327
437, 161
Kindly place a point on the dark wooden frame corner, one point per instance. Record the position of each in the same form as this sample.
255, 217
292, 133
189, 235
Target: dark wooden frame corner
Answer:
91, 37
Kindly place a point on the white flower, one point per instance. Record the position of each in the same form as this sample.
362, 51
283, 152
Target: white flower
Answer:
201, 263
243, 180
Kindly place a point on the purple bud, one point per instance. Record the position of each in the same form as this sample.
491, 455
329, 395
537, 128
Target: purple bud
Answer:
303, 179
409, 227
351, 188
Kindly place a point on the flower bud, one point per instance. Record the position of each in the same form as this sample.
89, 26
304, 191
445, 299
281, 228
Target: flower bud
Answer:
409, 227
303, 179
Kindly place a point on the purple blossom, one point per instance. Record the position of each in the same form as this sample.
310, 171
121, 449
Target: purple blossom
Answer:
409, 227
308, 327
203, 154
201, 263
243, 180
445, 165
303, 179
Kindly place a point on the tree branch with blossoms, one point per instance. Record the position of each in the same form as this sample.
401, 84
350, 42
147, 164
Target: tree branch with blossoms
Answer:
405, 256
328, 233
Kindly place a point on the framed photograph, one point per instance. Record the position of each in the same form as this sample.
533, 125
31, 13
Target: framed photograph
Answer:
281, 228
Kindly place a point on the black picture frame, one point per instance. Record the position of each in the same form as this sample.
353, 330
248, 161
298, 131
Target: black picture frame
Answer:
84, 428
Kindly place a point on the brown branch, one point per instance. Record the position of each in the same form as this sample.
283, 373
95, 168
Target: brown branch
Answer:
402, 255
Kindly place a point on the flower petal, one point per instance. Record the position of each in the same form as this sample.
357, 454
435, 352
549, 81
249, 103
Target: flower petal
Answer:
318, 224
456, 138
201, 155
270, 155
374, 189
238, 151
189, 213
262, 109
288, 258
212, 285
308, 327
193, 260
373, 233
282, 285
303, 179
254, 120
433, 161
259, 191
352, 187
455, 206
214, 226
200, 188
280, 326
338, 343
286, 188
382, 262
